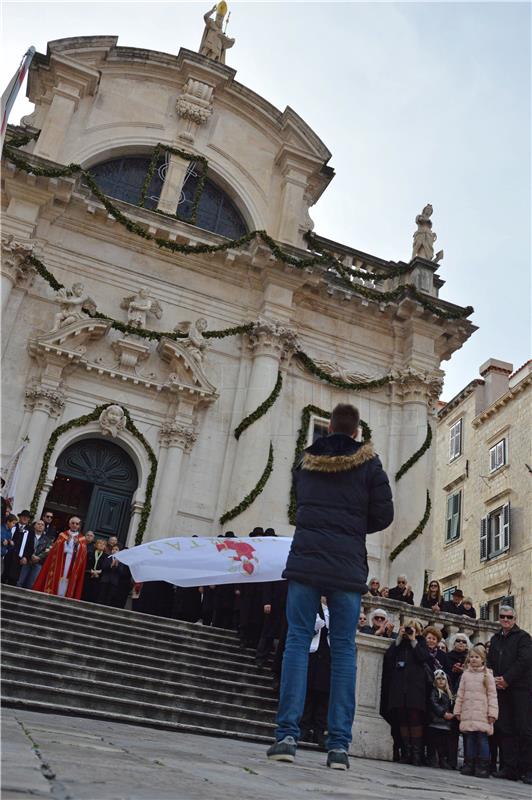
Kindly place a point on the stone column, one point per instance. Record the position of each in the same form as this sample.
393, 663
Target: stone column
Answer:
173, 184
45, 404
16, 271
269, 342
176, 439
291, 211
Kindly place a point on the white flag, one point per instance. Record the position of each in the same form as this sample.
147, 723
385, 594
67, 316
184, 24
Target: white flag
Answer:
208, 561
11, 472
12, 89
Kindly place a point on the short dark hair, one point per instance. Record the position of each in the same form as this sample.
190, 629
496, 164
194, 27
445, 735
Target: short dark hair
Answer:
345, 419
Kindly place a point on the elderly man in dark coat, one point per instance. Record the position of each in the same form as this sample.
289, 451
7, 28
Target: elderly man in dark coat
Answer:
510, 658
342, 494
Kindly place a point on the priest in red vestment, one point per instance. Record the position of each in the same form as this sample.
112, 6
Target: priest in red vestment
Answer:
63, 571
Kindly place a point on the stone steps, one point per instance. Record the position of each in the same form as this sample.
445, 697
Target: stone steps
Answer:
78, 658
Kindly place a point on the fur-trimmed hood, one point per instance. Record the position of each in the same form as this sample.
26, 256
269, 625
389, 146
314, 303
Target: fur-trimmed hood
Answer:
337, 453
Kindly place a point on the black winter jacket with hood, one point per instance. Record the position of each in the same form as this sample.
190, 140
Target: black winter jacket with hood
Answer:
342, 494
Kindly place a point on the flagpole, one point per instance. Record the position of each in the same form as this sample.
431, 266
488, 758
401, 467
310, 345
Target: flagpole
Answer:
12, 89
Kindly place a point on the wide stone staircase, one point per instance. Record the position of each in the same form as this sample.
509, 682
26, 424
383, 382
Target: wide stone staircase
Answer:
69, 657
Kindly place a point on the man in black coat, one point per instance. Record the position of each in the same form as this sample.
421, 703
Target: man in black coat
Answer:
510, 658
342, 494
454, 605
21, 551
49, 529
403, 591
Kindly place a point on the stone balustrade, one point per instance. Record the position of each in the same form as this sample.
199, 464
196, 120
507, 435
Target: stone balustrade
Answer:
478, 630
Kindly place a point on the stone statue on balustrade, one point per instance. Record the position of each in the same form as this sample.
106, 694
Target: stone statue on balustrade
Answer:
425, 237
195, 341
73, 304
138, 306
112, 421
214, 42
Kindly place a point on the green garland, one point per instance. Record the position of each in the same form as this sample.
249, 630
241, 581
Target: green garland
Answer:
415, 533
301, 443
338, 382
163, 148
262, 409
79, 422
416, 456
403, 270
301, 263
249, 498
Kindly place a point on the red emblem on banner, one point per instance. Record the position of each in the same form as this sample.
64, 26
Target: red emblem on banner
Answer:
244, 553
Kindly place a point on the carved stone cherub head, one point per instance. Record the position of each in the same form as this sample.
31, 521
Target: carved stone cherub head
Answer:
112, 421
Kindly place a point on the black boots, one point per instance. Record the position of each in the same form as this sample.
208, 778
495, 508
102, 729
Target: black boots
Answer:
482, 768
406, 754
417, 755
468, 768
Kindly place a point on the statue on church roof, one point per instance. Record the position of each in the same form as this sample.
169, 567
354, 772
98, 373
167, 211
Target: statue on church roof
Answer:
214, 42
424, 237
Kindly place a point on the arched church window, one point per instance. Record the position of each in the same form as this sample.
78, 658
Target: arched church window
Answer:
123, 178
216, 211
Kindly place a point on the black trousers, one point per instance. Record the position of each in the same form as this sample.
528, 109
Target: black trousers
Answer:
438, 741
315, 713
514, 726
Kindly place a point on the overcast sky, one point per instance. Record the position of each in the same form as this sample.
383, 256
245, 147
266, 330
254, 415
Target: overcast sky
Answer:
418, 102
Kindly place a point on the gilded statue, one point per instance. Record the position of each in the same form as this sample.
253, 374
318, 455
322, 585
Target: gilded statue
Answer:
214, 42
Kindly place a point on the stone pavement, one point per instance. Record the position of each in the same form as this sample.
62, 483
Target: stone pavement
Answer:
70, 758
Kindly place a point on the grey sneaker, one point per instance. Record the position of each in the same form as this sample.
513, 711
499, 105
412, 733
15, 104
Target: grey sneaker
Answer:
285, 750
337, 759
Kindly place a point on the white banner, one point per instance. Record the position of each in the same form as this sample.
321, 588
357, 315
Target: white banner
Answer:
208, 561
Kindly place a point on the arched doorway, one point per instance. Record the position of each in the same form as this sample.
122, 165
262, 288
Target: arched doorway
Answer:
95, 480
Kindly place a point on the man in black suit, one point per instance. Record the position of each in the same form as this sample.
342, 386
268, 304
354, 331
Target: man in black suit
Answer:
49, 528
42, 545
21, 551
454, 606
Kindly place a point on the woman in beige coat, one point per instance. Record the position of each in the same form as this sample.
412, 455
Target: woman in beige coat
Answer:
477, 709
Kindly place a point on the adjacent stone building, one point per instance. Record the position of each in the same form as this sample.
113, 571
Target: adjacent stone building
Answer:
482, 525
136, 341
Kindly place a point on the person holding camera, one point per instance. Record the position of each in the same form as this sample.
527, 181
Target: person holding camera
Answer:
404, 689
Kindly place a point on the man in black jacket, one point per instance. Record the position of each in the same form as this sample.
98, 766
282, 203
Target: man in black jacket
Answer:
342, 494
510, 658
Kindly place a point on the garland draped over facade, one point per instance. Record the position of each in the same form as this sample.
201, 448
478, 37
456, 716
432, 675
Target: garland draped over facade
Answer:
301, 443
251, 497
262, 409
416, 456
80, 422
415, 533
327, 260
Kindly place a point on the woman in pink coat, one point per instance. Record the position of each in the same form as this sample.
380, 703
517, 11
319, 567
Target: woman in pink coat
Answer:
477, 709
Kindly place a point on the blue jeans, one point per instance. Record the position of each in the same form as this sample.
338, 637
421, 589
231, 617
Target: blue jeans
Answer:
301, 609
476, 745
28, 575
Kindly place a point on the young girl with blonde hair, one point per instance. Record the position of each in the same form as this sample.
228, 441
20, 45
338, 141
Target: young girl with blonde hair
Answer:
440, 721
477, 709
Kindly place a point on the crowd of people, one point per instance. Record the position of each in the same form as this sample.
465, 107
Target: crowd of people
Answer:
88, 562
435, 687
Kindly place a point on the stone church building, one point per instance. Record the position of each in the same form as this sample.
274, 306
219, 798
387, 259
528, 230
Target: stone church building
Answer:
144, 319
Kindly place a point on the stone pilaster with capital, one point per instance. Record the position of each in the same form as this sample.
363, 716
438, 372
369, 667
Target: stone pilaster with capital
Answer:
43, 398
410, 385
270, 337
175, 434
15, 265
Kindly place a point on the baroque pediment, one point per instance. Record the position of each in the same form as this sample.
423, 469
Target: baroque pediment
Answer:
93, 345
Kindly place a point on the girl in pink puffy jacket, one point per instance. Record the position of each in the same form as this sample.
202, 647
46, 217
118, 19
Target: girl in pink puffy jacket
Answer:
477, 709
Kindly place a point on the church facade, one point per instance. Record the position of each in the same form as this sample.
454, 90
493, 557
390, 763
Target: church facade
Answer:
172, 335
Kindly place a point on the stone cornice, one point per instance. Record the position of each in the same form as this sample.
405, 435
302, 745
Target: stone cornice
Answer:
506, 398
458, 398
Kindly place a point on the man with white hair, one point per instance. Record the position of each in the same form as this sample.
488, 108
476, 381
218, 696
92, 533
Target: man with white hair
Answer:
403, 591
510, 658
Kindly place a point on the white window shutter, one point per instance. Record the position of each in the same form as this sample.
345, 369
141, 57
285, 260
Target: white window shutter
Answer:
506, 527
493, 459
484, 539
